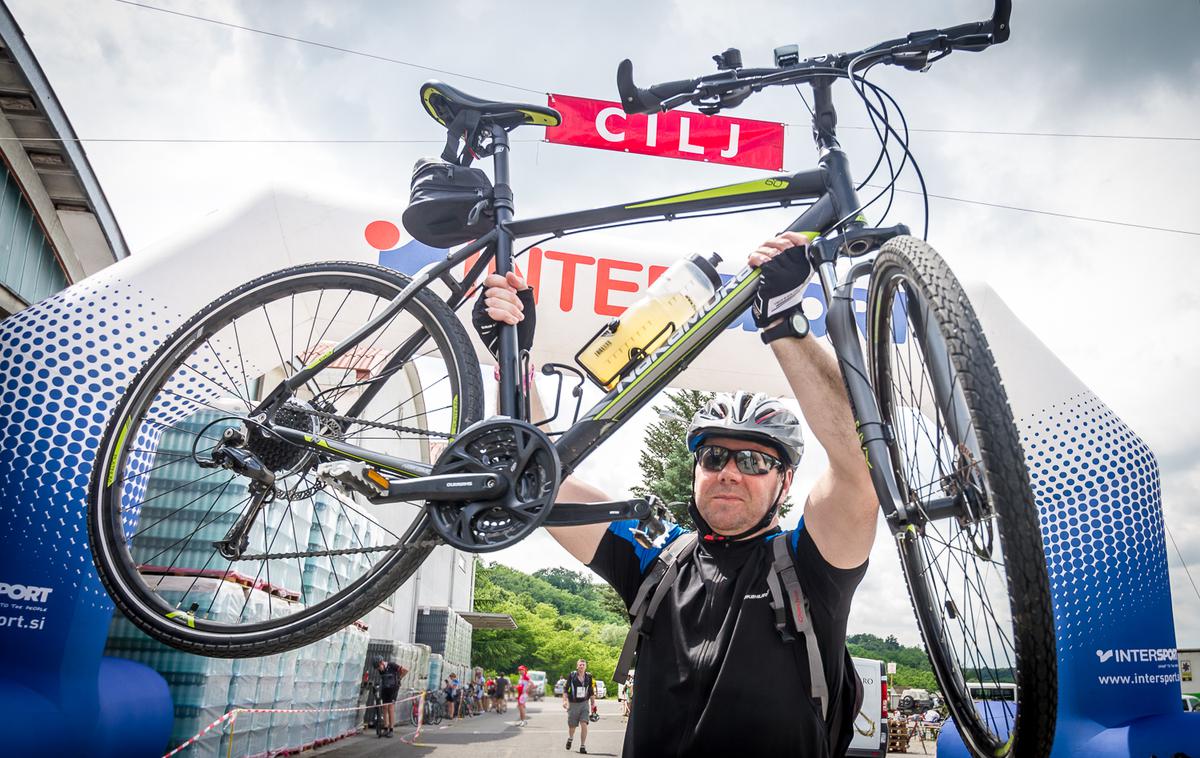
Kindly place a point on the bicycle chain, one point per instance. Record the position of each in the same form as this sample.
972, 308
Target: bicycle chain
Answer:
350, 551
341, 551
376, 424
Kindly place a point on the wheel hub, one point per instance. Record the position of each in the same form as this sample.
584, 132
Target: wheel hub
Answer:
277, 454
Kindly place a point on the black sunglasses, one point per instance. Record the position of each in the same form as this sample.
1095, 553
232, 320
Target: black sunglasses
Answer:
750, 462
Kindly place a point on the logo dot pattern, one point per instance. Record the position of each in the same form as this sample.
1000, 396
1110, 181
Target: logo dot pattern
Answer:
63, 364
1100, 508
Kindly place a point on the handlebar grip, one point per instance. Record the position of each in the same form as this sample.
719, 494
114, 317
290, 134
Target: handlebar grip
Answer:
1000, 21
637, 100
979, 35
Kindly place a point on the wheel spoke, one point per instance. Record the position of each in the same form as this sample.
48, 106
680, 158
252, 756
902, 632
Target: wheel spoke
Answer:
956, 564
174, 510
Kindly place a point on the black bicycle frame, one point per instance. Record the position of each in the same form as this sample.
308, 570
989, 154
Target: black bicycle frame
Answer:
831, 220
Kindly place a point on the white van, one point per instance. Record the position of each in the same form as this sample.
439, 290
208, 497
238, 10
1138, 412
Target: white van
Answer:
538, 681
870, 725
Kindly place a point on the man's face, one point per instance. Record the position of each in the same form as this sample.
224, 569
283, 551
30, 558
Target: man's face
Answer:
581, 667
730, 501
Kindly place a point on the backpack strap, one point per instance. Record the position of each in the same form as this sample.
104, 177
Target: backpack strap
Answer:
658, 581
784, 568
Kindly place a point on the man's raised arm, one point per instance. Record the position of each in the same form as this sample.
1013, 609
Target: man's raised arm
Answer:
501, 302
842, 507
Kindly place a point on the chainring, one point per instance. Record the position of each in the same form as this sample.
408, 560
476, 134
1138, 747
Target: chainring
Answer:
527, 461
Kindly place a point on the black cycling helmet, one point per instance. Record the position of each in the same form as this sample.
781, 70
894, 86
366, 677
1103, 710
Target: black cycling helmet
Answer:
753, 417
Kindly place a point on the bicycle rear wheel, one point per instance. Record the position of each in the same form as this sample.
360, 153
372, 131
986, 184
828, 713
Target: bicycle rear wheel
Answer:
318, 558
973, 558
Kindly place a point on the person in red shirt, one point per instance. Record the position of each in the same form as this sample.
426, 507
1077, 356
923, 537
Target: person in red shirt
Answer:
524, 687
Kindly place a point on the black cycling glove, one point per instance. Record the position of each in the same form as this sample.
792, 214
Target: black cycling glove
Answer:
784, 279
488, 329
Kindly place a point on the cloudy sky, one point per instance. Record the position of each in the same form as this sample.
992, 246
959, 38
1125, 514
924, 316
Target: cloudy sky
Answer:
179, 115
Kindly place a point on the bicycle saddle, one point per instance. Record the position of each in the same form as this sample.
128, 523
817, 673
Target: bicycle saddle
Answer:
444, 103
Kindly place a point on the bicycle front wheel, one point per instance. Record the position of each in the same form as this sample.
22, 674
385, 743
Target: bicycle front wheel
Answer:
972, 557
317, 558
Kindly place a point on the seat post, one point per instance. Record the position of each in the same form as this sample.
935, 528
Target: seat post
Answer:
512, 400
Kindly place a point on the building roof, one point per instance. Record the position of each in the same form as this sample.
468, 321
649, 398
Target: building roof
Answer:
48, 143
489, 620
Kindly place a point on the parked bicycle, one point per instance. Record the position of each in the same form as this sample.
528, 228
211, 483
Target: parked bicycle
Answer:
431, 707
326, 384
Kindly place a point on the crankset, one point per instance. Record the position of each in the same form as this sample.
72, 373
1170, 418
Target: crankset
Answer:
526, 462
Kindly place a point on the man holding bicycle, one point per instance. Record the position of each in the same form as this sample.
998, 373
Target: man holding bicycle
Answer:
715, 624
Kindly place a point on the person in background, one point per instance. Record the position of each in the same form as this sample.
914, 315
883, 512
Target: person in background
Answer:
489, 693
577, 694
628, 693
502, 694
524, 688
451, 691
390, 674
480, 690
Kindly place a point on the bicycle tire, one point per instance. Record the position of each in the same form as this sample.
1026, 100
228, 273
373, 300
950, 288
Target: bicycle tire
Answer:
996, 527
114, 476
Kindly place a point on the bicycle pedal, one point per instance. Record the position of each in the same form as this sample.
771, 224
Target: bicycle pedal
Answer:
354, 477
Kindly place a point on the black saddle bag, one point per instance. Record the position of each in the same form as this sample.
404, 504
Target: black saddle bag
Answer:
449, 204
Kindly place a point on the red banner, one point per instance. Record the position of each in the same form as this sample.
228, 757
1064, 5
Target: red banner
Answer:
673, 134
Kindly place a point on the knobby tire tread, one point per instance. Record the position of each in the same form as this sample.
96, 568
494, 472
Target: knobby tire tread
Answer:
1000, 448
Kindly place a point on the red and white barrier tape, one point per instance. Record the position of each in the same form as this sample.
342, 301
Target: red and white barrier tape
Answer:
201, 733
411, 739
232, 715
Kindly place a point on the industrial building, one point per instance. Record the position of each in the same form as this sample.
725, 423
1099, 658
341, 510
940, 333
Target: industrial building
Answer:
56, 226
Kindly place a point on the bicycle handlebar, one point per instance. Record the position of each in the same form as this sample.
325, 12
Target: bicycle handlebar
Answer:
730, 87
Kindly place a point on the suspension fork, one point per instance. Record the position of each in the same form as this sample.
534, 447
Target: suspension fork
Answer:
873, 435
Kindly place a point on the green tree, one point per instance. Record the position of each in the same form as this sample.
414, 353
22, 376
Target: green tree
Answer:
530, 590
611, 602
565, 579
665, 461
554, 628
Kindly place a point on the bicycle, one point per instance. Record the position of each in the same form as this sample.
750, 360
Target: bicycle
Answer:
425, 710
311, 405
374, 710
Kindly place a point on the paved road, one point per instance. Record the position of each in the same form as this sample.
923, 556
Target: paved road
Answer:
498, 733
502, 738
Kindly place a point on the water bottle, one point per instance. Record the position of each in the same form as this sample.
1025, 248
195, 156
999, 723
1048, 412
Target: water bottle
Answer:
674, 298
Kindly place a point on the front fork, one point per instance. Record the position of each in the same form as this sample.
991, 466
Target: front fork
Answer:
874, 436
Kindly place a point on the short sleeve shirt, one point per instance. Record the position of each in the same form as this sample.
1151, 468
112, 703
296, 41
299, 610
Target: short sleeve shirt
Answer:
577, 690
713, 653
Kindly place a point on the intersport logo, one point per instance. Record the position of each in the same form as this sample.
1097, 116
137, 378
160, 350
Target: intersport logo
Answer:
23, 592
1138, 655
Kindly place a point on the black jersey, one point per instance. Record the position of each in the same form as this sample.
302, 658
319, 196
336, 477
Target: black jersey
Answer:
714, 676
